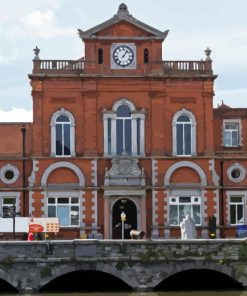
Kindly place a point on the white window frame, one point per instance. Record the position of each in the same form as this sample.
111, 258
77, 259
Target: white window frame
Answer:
135, 115
65, 194
239, 132
174, 200
235, 204
230, 194
53, 132
193, 132
15, 195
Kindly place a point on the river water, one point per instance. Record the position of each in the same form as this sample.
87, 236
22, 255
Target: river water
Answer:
180, 293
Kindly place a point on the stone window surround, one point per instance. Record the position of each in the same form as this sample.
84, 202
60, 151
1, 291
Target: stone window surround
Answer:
11, 194
62, 111
240, 134
193, 132
12, 168
231, 193
134, 116
236, 166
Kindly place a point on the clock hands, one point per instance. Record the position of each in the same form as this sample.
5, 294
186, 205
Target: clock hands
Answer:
124, 53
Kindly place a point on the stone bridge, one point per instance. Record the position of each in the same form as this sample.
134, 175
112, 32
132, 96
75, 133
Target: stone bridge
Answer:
141, 264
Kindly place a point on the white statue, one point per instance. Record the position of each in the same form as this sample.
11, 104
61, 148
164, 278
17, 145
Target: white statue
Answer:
188, 227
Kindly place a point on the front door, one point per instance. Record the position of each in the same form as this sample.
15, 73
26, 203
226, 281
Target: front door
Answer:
129, 208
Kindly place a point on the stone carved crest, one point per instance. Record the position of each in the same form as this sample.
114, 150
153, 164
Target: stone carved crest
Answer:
125, 171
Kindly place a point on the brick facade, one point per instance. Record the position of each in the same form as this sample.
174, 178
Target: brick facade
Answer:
180, 143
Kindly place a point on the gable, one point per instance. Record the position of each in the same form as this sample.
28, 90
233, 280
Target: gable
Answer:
124, 28
121, 24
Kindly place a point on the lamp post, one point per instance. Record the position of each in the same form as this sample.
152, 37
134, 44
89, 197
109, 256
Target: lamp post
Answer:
123, 218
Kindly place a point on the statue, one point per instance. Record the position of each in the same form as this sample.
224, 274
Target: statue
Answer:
188, 228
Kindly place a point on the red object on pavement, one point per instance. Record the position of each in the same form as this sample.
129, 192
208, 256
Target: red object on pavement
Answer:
30, 236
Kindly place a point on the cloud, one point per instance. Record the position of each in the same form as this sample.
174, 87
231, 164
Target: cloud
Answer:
16, 115
43, 24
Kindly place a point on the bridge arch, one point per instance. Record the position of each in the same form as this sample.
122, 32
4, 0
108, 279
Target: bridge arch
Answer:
219, 271
102, 269
8, 282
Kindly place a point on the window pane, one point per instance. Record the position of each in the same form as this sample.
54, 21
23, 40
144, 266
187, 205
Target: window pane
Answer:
58, 139
187, 139
196, 214
240, 217
184, 199
183, 118
227, 138
138, 136
128, 136
232, 214
236, 199
234, 138
51, 211
74, 215
173, 214
62, 200
123, 111
183, 210
66, 139
62, 118
109, 135
179, 139
51, 200
63, 215
74, 200
9, 200
119, 136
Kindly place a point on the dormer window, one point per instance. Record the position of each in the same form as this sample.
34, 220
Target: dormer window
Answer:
231, 133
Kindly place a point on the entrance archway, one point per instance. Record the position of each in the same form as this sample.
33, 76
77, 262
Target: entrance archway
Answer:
129, 208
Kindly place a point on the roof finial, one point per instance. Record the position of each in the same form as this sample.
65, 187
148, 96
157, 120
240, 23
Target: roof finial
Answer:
36, 52
123, 9
207, 53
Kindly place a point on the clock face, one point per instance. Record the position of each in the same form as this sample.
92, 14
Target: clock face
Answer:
123, 56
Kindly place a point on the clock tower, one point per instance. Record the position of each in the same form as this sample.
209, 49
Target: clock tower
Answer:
123, 45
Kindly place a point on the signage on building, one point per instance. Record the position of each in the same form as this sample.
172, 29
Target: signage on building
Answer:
241, 231
26, 224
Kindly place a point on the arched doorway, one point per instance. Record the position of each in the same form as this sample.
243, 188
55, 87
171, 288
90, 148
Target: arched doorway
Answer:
129, 208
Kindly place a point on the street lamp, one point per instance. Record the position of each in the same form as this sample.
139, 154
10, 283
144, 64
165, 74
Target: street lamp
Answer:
123, 218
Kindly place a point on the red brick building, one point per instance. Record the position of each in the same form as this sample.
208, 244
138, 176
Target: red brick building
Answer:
122, 130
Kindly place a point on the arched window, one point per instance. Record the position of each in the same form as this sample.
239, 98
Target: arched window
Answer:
123, 118
62, 134
100, 56
184, 133
146, 56
124, 129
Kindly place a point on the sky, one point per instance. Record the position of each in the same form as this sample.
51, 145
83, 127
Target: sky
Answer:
52, 25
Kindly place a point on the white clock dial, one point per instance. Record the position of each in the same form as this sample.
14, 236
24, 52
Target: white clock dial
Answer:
123, 55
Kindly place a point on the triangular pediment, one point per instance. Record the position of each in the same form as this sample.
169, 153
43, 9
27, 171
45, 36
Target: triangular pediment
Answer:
122, 25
